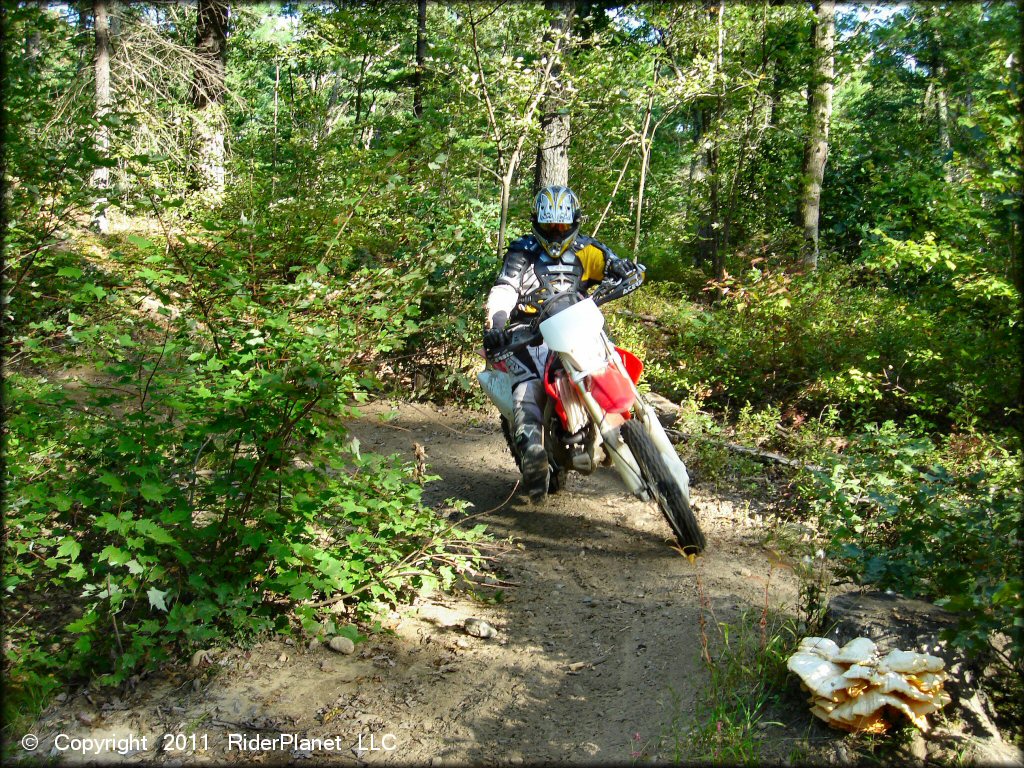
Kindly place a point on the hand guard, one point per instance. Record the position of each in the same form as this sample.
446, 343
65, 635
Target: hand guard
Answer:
621, 268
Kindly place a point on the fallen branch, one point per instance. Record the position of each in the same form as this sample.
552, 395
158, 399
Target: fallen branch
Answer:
649, 319
766, 457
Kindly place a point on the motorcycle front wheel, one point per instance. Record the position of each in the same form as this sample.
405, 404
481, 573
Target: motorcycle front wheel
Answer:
671, 498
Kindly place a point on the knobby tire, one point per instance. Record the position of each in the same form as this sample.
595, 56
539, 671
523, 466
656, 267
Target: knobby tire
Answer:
671, 499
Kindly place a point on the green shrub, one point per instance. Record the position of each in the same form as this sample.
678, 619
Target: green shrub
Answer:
859, 340
197, 484
902, 516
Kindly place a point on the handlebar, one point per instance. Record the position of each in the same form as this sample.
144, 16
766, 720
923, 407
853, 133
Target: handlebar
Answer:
525, 336
546, 304
609, 290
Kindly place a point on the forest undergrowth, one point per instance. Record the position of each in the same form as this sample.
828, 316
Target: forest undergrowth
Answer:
925, 505
209, 424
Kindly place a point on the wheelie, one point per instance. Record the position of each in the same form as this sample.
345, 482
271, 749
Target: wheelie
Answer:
567, 396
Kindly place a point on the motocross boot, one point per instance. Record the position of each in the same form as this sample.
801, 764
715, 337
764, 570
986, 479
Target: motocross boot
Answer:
534, 461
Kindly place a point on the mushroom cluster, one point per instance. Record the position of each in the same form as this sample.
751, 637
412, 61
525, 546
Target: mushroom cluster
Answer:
851, 687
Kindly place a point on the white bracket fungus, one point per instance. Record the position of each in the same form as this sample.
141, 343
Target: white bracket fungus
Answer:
852, 689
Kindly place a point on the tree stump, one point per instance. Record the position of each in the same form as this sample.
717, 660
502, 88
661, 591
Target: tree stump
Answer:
893, 621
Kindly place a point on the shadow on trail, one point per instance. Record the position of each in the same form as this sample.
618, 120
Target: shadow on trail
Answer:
602, 634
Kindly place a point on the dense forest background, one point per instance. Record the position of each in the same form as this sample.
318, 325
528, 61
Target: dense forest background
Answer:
225, 227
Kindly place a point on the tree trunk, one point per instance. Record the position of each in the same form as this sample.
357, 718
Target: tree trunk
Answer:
101, 68
645, 159
34, 42
506, 192
273, 157
421, 57
712, 232
697, 174
84, 8
816, 149
552, 166
207, 95
357, 123
937, 86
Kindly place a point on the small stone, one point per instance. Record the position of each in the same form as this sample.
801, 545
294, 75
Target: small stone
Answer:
289, 641
62, 696
745, 573
588, 600
314, 644
480, 628
918, 747
85, 718
462, 643
283, 658
342, 645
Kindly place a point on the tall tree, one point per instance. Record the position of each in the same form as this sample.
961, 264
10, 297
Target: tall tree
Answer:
708, 233
509, 155
32, 45
421, 57
820, 116
101, 73
717, 256
207, 95
552, 165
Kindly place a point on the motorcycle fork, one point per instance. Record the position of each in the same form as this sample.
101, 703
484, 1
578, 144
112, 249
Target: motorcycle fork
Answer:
611, 442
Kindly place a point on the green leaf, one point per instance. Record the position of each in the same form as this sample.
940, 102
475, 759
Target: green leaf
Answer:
154, 532
76, 572
69, 547
156, 599
112, 482
113, 555
152, 490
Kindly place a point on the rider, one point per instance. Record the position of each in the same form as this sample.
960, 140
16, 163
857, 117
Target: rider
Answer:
557, 257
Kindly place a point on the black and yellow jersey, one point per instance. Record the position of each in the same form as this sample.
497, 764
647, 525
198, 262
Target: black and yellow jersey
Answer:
527, 266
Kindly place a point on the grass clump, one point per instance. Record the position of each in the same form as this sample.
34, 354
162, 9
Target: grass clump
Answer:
746, 662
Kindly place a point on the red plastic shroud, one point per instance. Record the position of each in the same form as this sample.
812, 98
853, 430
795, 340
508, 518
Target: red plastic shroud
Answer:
609, 388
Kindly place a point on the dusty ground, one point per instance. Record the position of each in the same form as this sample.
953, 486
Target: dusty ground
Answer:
598, 644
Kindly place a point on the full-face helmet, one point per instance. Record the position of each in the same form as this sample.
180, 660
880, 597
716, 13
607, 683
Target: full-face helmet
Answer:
556, 218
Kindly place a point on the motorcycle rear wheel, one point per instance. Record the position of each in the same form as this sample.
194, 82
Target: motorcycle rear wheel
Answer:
670, 497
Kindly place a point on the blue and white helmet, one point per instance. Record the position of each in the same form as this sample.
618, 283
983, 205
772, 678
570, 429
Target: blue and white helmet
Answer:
556, 218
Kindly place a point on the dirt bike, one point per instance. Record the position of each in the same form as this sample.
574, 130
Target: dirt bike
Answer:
595, 415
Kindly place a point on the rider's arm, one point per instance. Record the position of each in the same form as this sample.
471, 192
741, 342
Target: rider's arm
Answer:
500, 303
505, 294
600, 262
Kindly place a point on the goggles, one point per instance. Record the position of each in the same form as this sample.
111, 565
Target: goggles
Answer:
554, 231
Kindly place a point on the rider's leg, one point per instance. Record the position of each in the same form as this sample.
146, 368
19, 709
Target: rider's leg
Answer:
528, 398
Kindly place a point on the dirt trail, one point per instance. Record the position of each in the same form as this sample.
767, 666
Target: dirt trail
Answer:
599, 641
